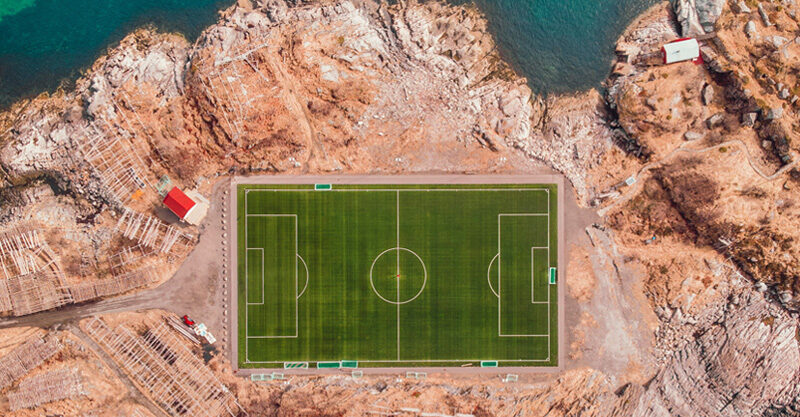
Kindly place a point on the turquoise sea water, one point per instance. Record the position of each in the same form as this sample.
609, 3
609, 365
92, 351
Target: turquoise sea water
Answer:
46, 42
560, 45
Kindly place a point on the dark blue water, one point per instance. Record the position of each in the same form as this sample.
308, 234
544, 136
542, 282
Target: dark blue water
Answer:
559, 45
51, 41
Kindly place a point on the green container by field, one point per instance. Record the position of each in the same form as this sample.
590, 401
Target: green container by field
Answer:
328, 365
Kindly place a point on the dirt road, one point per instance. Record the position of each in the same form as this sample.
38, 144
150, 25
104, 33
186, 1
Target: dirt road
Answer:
195, 289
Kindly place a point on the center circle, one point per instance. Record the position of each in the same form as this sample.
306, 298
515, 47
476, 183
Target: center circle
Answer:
399, 268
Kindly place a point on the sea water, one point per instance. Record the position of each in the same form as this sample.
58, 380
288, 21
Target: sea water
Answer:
44, 43
559, 45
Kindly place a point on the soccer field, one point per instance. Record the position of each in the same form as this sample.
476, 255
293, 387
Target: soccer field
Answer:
397, 275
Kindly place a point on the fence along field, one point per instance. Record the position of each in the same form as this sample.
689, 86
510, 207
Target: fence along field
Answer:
397, 276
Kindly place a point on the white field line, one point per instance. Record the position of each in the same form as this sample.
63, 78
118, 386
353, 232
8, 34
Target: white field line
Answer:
417, 360
397, 191
424, 275
246, 325
522, 215
489, 275
305, 265
334, 189
533, 268
499, 276
296, 304
262, 276
263, 283
398, 274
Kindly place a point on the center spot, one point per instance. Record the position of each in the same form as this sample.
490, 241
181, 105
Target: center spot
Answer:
398, 276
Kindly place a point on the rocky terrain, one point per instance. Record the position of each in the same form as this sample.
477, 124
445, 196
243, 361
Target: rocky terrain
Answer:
682, 281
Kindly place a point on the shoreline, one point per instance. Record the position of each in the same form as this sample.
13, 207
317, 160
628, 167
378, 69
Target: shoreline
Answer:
68, 82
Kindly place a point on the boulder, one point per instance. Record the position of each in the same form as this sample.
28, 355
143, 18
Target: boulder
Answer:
774, 113
743, 7
697, 17
750, 30
687, 17
784, 94
749, 119
764, 16
715, 120
510, 105
776, 41
692, 136
329, 73
255, 19
708, 11
708, 94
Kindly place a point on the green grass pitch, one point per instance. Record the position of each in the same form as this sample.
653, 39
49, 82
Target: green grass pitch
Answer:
397, 276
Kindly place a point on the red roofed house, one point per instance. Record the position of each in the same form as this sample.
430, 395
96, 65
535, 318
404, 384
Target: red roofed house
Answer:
180, 204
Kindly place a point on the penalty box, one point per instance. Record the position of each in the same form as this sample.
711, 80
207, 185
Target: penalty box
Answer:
522, 272
271, 286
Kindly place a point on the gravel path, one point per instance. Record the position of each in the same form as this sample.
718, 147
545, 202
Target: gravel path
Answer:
684, 149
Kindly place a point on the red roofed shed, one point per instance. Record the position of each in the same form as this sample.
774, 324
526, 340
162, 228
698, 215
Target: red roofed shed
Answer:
178, 202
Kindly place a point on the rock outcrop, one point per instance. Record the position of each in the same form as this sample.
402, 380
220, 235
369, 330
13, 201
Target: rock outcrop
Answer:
694, 261
697, 17
746, 362
280, 88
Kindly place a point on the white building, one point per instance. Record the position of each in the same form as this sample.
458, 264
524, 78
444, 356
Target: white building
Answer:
686, 49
